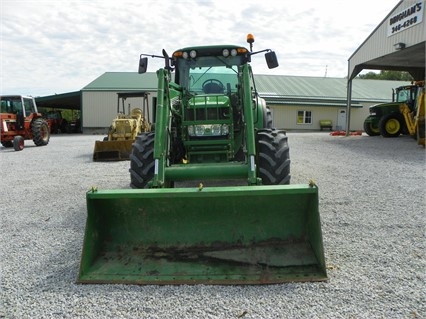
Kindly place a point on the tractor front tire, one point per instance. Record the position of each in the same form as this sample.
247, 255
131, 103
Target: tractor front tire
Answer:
142, 160
41, 132
391, 125
18, 143
273, 157
370, 129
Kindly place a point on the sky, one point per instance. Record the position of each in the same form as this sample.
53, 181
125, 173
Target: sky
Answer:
51, 47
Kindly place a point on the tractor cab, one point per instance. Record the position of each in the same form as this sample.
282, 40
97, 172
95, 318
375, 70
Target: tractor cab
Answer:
408, 94
207, 70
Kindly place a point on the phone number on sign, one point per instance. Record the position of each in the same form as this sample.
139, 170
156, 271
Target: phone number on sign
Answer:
406, 24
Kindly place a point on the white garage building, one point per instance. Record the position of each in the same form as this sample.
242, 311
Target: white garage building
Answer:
297, 102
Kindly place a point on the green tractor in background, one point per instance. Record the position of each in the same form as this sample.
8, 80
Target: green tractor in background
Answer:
177, 225
387, 119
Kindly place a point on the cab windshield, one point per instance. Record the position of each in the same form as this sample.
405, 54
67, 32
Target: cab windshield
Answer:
11, 104
403, 95
209, 75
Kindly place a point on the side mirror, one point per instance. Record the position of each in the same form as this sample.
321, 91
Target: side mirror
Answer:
143, 65
271, 59
167, 61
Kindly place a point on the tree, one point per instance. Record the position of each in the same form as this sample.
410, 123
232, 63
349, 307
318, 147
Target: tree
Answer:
387, 75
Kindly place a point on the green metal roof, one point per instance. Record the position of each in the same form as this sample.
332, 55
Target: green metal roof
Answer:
323, 90
119, 81
277, 89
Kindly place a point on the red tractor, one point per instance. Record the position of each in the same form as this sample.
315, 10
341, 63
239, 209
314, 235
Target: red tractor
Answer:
21, 121
56, 122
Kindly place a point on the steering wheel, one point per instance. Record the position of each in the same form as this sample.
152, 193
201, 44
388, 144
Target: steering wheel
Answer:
213, 86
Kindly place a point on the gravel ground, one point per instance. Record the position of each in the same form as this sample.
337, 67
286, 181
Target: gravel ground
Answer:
372, 206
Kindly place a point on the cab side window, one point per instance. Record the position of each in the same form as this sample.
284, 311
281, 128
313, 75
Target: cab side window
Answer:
29, 106
4, 107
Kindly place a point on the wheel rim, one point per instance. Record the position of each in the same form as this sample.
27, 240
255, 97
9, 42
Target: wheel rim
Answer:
374, 129
44, 132
393, 126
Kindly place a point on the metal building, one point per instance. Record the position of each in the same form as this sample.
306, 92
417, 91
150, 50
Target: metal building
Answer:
99, 98
297, 102
300, 102
398, 43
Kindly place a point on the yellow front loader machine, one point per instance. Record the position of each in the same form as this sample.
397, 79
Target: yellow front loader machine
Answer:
211, 200
123, 130
415, 120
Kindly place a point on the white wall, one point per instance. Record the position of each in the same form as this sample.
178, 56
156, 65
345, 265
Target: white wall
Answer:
285, 116
100, 108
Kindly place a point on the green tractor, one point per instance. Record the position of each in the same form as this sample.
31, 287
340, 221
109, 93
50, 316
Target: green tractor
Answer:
386, 119
211, 200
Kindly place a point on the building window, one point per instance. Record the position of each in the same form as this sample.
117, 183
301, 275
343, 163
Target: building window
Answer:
304, 117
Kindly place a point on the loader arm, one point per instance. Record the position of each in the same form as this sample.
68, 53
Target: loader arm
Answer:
249, 121
409, 121
420, 118
163, 116
413, 120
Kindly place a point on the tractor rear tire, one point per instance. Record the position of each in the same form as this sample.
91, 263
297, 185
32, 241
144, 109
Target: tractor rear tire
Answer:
18, 143
41, 132
391, 125
142, 160
273, 154
371, 129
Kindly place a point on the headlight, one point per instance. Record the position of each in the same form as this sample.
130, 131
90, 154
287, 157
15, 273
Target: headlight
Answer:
225, 53
193, 54
215, 129
191, 130
200, 130
208, 130
225, 129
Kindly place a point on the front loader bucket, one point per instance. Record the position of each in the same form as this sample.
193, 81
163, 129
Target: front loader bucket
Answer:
112, 150
217, 235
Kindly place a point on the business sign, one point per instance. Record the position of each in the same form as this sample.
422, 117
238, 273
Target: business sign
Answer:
406, 18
